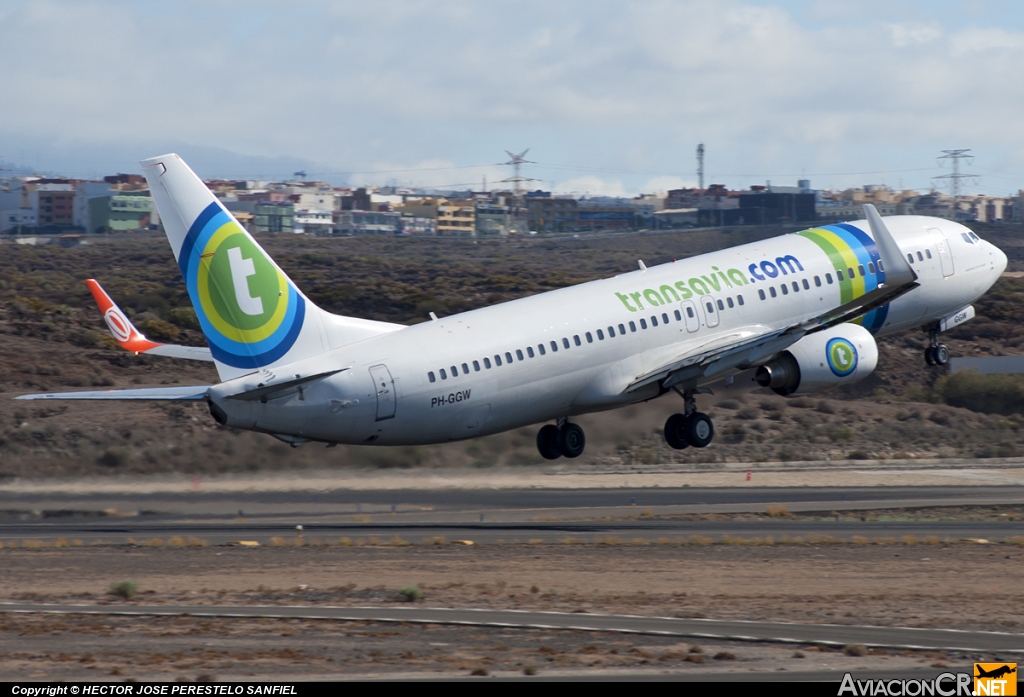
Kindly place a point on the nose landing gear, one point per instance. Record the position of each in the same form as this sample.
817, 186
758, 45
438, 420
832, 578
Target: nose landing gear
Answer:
936, 353
564, 439
692, 428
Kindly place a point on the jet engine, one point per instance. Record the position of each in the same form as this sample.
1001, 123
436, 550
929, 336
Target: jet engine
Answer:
838, 356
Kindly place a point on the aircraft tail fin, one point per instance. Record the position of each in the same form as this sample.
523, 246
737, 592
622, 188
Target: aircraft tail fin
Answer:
251, 313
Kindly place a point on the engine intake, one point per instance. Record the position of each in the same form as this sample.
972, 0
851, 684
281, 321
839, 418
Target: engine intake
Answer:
837, 356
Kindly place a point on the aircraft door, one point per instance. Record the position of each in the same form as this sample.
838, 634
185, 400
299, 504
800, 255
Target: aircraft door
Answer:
691, 316
942, 244
707, 304
385, 387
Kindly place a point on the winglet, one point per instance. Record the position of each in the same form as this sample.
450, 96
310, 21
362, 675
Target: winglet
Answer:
124, 332
897, 270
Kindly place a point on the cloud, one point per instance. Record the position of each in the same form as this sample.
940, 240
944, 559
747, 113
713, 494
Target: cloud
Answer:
591, 186
772, 88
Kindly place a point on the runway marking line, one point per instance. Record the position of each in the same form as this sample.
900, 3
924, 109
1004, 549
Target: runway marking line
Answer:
395, 617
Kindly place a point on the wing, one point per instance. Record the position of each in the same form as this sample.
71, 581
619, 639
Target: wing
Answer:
751, 346
190, 393
131, 339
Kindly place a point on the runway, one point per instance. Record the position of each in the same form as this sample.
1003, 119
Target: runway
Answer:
511, 515
778, 632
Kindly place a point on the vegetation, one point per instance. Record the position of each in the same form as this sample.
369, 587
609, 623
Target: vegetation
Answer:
124, 589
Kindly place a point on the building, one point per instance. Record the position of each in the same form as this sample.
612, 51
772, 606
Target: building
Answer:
314, 221
765, 207
496, 219
119, 212
675, 218
271, 217
414, 225
456, 218
595, 216
54, 204
545, 213
357, 222
16, 221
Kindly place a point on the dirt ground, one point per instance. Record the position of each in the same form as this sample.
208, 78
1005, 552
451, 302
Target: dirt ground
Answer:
950, 586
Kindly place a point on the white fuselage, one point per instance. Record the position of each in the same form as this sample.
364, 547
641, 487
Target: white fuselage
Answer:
484, 371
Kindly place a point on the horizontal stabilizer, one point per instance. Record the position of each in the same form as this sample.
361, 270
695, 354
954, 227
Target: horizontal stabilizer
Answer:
190, 393
270, 388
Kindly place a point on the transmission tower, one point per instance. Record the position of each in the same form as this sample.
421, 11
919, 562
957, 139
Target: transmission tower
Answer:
700, 167
954, 178
517, 179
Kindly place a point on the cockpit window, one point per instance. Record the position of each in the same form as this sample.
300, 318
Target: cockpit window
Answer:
974, 237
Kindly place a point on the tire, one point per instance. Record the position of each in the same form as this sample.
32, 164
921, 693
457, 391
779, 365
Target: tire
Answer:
547, 443
675, 434
941, 354
699, 430
929, 355
571, 440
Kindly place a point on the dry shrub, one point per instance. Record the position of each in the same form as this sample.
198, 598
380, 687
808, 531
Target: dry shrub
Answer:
278, 542
855, 650
436, 541
700, 540
860, 540
176, 542
779, 511
608, 540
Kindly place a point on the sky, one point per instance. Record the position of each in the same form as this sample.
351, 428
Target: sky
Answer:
611, 98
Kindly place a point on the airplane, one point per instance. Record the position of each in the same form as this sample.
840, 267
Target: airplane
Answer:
131, 339
802, 310
995, 672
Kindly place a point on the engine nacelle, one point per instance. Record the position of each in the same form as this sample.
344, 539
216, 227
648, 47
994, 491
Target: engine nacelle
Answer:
820, 361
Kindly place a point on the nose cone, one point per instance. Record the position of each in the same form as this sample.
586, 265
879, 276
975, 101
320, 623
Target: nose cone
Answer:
999, 260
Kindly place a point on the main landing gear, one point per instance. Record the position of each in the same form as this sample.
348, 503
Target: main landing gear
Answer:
564, 439
691, 428
936, 353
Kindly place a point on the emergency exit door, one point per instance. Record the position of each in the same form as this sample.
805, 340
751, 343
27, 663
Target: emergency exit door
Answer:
385, 388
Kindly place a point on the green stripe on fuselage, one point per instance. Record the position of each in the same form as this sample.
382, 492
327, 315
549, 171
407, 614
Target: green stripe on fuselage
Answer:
838, 262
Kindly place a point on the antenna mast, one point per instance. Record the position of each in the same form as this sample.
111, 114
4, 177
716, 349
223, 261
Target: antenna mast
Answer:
517, 179
700, 167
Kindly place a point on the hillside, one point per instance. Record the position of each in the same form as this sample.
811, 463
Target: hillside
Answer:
52, 338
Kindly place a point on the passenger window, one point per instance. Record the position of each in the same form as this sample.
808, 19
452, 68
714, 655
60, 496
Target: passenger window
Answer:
760, 293
771, 290
554, 347
689, 312
643, 324
632, 326
828, 278
565, 342
839, 274
721, 305
860, 270
487, 363
730, 303
476, 366
807, 286
508, 357
455, 372
920, 257
622, 328
654, 320
519, 354
465, 369
430, 376
928, 253
664, 317
711, 308
444, 375
540, 347
817, 281
529, 352
590, 338
796, 287
850, 269
910, 258
880, 267
576, 339
611, 332
679, 317
739, 299
871, 267
600, 334
785, 290
497, 359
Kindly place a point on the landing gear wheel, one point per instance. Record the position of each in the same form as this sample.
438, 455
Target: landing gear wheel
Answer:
940, 354
675, 434
929, 355
571, 440
699, 430
547, 443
